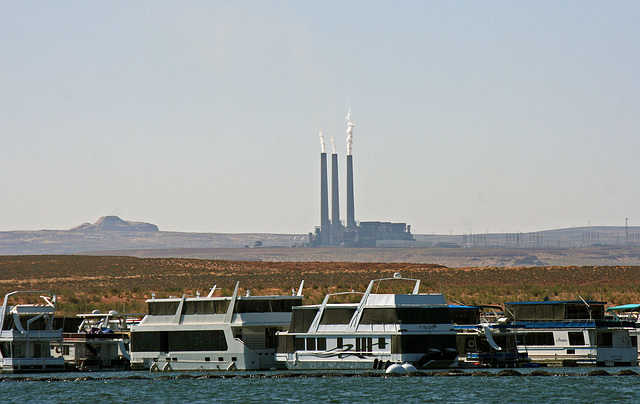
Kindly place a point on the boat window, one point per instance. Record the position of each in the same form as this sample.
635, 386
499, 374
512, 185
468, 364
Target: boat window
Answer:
163, 308
576, 338
301, 319
266, 305
537, 338
337, 315
407, 315
206, 340
178, 341
634, 341
582, 312
604, 339
421, 343
465, 315
18, 351
322, 344
205, 306
364, 343
311, 344
299, 344
382, 344
339, 342
286, 344
270, 337
149, 341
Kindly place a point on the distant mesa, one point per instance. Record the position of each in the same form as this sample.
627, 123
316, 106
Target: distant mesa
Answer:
114, 223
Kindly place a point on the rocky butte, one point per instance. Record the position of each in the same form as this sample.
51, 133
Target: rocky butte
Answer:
114, 223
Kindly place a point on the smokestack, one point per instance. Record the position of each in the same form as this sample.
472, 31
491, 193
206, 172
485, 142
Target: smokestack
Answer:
335, 197
324, 201
351, 219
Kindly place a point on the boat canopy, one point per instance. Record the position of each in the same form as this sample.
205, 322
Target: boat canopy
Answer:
625, 307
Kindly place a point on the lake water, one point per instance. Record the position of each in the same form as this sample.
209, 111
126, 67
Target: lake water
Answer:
568, 385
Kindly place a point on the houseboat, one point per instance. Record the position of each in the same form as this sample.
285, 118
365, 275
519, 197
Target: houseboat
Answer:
100, 342
570, 333
629, 313
481, 341
378, 330
27, 333
211, 333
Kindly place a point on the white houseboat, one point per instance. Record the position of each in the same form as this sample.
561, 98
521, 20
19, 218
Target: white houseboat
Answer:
379, 330
101, 341
27, 333
211, 333
570, 333
630, 314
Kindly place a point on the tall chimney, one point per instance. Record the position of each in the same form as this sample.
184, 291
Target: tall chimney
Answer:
324, 201
351, 220
335, 199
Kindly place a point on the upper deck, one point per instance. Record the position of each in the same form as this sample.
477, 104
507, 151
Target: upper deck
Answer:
375, 312
203, 311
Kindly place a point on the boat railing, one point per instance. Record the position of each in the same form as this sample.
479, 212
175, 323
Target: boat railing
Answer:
49, 298
31, 335
396, 276
332, 295
355, 320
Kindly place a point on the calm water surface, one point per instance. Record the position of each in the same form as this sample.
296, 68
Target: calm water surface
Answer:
498, 389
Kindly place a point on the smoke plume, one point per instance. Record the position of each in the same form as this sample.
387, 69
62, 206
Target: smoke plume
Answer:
350, 126
333, 144
322, 142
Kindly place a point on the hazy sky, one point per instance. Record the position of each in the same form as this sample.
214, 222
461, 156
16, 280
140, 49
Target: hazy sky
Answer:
204, 116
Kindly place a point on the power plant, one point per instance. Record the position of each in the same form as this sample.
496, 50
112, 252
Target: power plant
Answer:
332, 232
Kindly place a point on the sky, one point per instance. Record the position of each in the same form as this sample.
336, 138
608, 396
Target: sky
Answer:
203, 116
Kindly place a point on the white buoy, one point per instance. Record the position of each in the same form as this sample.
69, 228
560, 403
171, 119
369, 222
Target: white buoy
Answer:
409, 368
395, 368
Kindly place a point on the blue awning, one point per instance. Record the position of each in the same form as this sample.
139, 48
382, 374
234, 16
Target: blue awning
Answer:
629, 307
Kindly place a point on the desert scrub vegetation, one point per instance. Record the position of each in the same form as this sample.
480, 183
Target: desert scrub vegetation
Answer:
86, 283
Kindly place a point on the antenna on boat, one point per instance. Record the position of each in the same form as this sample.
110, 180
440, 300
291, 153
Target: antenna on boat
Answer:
588, 307
300, 288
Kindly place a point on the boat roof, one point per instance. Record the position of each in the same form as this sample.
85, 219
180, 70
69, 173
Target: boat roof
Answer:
628, 307
555, 302
203, 298
478, 307
392, 300
101, 315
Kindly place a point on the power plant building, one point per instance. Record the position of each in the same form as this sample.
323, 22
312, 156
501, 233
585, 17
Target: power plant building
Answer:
332, 232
